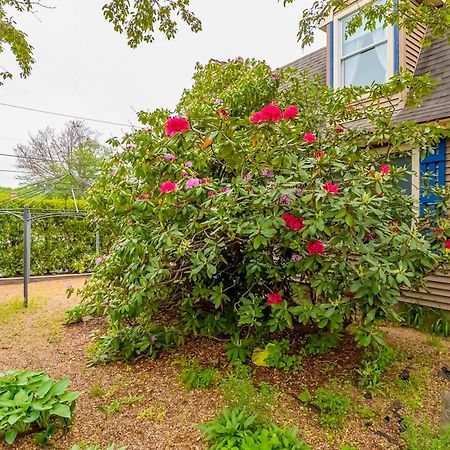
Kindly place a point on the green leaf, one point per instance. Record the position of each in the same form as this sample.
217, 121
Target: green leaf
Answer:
305, 396
59, 387
259, 357
61, 410
10, 436
69, 397
349, 220
43, 389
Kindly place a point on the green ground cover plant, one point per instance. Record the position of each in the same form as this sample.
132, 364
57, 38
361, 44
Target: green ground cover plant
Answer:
237, 429
374, 365
334, 404
31, 401
423, 436
241, 393
195, 376
277, 354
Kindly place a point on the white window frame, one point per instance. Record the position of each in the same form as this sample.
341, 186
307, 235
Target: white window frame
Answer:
338, 39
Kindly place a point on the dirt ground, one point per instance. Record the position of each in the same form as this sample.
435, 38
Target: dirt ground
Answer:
157, 413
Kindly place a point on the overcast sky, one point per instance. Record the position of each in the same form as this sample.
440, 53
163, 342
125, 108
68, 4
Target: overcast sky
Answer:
84, 68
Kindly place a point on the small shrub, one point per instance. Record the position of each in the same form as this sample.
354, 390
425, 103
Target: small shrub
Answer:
424, 437
31, 401
322, 343
129, 343
237, 429
238, 350
333, 405
277, 354
374, 365
194, 376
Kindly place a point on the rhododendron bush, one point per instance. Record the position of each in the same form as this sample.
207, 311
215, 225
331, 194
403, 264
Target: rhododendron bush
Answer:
257, 206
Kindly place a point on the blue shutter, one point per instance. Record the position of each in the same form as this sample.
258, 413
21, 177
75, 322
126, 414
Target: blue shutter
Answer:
432, 172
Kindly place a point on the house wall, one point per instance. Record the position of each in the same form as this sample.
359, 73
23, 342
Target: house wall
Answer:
437, 294
410, 45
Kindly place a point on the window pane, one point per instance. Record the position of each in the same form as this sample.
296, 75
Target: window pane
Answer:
365, 68
361, 38
406, 162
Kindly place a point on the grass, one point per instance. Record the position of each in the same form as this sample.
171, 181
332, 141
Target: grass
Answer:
240, 393
410, 392
195, 376
9, 309
435, 342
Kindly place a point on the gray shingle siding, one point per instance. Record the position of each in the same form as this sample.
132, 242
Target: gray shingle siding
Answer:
315, 63
436, 61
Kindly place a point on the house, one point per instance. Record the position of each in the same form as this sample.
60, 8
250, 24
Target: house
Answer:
374, 56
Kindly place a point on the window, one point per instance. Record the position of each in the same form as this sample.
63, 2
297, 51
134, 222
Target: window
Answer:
363, 55
427, 171
432, 173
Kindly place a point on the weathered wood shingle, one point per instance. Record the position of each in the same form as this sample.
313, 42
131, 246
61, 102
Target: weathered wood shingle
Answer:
315, 63
434, 60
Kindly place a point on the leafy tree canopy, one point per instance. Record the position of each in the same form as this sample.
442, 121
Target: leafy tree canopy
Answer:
141, 20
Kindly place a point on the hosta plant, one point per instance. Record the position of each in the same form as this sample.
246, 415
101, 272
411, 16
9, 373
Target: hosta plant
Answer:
268, 201
237, 429
32, 402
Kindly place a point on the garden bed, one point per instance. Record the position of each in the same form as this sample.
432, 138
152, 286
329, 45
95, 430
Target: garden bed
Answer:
145, 406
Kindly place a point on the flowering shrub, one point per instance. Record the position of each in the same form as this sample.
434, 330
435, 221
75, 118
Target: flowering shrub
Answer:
264, 219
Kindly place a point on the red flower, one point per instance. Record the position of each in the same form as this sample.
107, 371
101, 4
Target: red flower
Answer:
175, 125
331, 188
339, 129
168, 186
319, 154
290, 112
257, 117
223, 113
385, 169
274, 298
447, 244
292, 222
439, 231
310, 138
315, 248
270, 113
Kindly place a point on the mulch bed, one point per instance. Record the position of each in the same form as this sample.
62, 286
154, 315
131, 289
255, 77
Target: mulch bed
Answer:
163, 415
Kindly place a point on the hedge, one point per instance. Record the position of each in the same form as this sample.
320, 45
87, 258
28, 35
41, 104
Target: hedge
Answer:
58, 244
